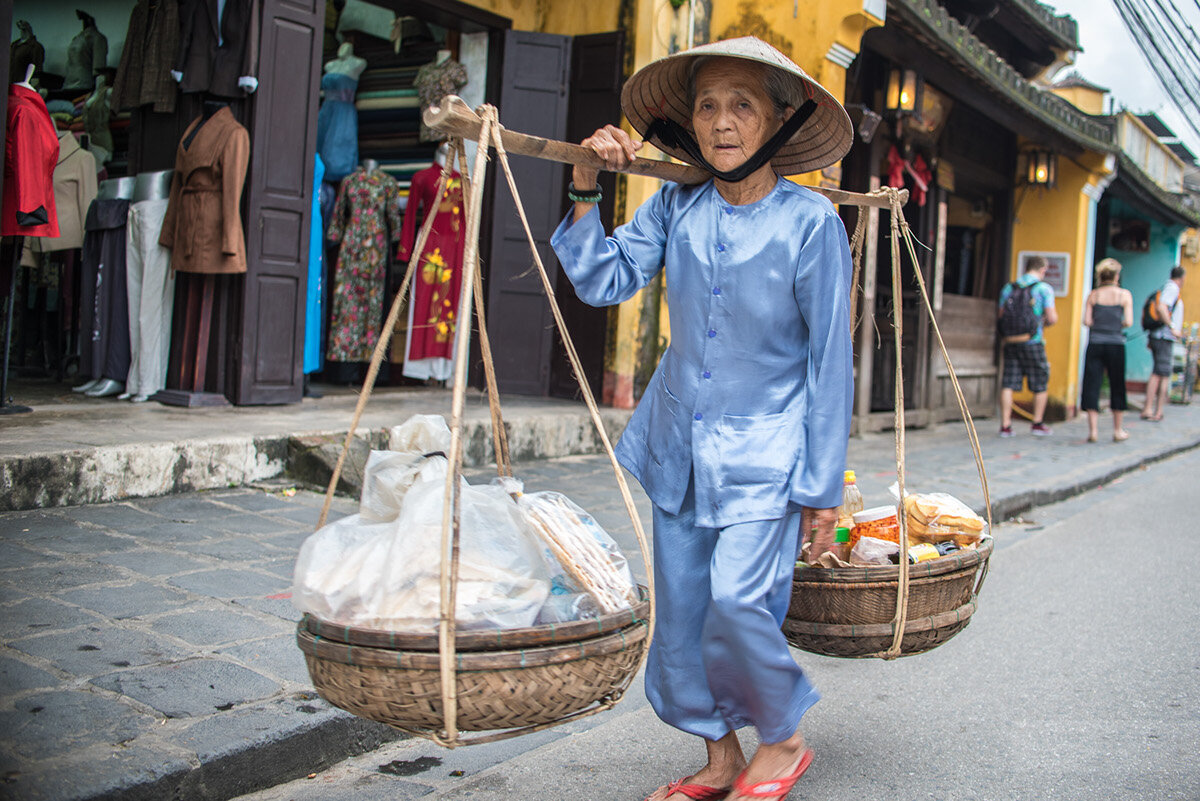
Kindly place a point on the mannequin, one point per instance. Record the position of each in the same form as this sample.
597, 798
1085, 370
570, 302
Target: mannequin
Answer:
202, 228
86, 55
432, 310
150, 287
27, 205
366, 220
337, 120
26, 50
96, 116
151, 41
440, 77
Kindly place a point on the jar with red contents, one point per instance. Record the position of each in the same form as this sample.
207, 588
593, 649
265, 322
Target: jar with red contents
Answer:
879, 522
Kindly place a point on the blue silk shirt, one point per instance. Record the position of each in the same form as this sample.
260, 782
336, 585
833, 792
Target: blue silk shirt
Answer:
753, 395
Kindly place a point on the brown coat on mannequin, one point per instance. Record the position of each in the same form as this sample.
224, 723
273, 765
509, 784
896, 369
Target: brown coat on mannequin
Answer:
203, 225
207, 66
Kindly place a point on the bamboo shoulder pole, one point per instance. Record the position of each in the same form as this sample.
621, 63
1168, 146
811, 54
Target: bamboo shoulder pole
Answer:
453, 116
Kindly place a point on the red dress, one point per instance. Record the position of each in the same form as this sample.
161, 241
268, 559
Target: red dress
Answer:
30, 155
433, 309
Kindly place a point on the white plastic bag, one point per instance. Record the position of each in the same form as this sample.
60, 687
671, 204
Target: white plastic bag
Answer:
381, 568
873, 551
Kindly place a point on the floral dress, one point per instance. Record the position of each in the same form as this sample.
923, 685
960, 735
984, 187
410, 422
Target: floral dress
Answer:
433, 310
366, 219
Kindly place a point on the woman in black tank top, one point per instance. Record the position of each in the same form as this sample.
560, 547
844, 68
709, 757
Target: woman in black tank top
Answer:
1107, 312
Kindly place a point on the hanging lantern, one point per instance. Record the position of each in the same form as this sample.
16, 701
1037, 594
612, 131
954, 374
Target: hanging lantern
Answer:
1041, 168
904, 91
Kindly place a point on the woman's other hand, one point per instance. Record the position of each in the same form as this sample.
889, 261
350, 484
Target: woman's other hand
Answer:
819, 526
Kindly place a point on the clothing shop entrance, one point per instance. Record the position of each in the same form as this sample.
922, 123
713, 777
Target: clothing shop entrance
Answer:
384, 62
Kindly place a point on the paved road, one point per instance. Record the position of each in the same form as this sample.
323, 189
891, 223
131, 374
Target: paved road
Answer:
1079, 678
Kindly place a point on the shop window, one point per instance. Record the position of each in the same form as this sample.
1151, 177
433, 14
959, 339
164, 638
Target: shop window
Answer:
1130, 235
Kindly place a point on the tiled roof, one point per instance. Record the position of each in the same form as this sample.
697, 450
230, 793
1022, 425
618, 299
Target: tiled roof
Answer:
1062, 29
933, 24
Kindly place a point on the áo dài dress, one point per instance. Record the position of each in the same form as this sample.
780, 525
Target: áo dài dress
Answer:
366, 220
433, 309
337, 126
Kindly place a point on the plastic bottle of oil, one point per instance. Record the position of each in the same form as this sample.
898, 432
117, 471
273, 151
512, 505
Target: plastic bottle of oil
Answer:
852, 500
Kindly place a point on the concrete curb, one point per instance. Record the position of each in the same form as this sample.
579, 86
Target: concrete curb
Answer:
1013, 505
150, 469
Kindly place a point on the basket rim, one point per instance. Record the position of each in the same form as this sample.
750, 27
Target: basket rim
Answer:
967, 559
470, 661
490, 640
930, 623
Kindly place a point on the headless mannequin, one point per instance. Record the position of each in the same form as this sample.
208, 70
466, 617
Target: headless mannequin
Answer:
28, 78
96, 121
441, 57
247, 82
346, 62
211, 107
370, 165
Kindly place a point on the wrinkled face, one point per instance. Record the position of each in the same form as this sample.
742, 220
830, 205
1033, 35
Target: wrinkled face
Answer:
732, 115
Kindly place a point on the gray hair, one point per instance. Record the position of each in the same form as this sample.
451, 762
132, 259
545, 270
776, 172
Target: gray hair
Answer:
784, 93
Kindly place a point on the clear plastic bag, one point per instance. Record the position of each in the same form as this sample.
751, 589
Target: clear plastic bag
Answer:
873, 551
589, 573
381, 568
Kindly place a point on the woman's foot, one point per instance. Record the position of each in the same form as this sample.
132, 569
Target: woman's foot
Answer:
1092, 437
1120, 435
773, 762
725, 762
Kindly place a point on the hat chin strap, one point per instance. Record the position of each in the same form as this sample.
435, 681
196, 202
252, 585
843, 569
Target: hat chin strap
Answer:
673, 135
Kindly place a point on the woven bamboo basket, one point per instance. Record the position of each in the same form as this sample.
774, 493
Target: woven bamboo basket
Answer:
510, 679
849, 611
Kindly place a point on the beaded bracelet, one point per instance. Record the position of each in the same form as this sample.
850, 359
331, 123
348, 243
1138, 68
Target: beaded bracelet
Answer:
584, 196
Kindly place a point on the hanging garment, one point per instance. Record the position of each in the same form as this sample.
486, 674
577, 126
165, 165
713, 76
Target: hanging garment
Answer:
313, 306
203, 226
30, 155
433, 82
366, 220
74, 191
22, 54
151, 48
151, 292
104, 303
433, 309
215, 49
337, 126
87, 54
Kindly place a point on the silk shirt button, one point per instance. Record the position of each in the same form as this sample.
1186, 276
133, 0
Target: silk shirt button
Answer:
712, 332
699, 416
707, 374
721, 248
728, 210
716, 290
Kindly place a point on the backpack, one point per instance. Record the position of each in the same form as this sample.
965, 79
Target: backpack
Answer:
1150, 321
1018, 322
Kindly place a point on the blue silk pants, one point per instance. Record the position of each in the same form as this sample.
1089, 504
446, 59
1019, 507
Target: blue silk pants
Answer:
719, 660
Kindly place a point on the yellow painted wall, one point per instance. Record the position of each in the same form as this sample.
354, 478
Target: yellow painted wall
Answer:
1056, 220
1190, 294
555, 16
1089, 101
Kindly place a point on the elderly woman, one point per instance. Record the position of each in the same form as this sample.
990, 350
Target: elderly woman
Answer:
742, 430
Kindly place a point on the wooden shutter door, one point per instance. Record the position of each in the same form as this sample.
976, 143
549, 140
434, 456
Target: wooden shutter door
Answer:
595, 101
268, 353
533, 100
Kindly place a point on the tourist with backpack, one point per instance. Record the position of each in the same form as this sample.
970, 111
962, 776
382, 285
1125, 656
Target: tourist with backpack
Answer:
1162, 317
1026, 308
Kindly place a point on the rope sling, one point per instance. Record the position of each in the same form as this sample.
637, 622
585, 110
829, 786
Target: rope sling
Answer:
486, 129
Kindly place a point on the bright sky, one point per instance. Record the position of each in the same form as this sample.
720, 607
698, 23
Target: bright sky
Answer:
1112, 60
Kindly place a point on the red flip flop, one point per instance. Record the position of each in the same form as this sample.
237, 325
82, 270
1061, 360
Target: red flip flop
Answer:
774, 788
698, 792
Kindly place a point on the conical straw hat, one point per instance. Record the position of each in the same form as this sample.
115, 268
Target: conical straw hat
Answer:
660, 90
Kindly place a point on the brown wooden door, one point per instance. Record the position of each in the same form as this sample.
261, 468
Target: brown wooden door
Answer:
595, 101
533, 100
268, 353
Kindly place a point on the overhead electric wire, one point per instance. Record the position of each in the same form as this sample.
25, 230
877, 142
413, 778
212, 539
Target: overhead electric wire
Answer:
1152, 50
1179, 65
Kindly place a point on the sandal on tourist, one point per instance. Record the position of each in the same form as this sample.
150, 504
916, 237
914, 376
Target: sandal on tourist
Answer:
773, 788
699, 792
